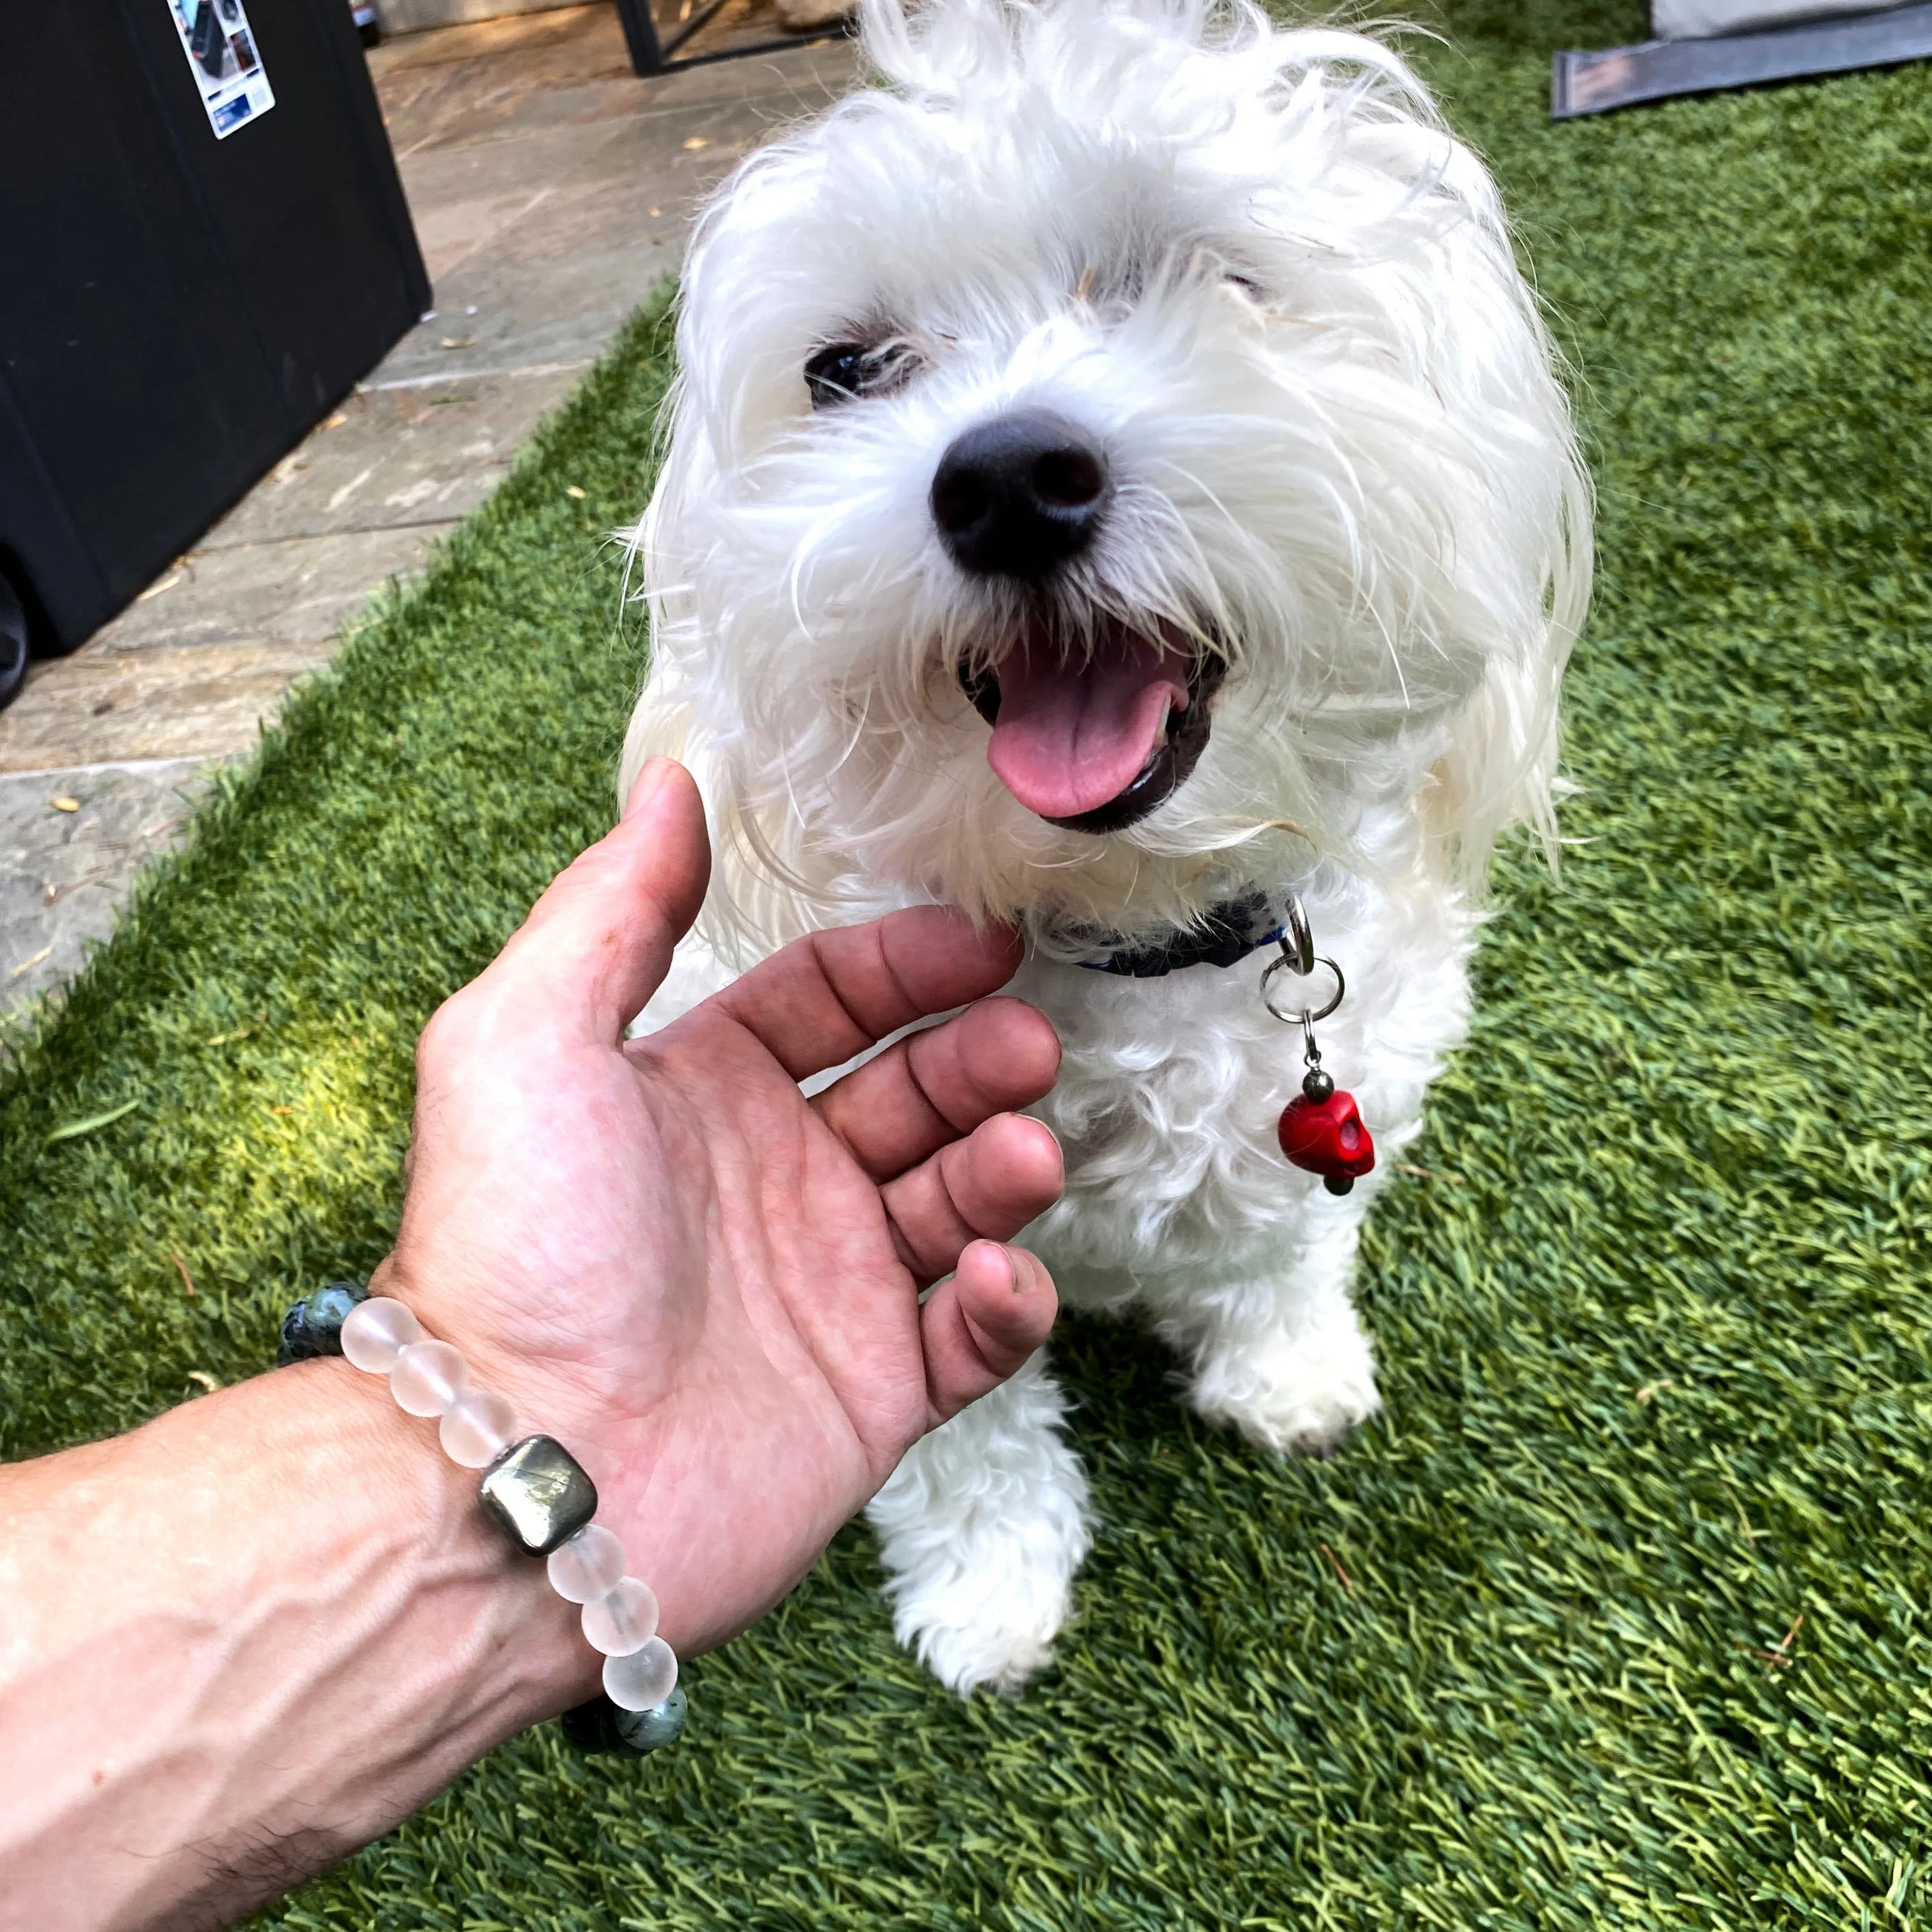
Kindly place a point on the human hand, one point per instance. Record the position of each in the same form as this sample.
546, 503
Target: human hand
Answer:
706, 1286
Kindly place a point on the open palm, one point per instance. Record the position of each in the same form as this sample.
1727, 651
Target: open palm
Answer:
704, 1285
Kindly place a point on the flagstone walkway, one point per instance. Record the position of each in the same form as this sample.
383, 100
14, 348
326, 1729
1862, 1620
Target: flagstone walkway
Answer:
551, 189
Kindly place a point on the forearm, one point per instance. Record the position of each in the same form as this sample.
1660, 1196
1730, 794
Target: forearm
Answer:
245, 1640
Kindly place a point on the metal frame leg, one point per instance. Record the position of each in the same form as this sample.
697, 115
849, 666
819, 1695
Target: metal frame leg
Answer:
650, 55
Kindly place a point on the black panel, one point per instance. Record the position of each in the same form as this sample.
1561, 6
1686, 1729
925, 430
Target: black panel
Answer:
288, 198
177, 311
118, 320
42, 552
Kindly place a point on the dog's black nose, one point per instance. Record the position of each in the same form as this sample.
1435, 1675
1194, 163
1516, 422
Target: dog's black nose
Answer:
1015, 496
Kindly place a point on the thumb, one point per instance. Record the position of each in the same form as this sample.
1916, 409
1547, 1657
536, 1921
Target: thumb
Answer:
599, 942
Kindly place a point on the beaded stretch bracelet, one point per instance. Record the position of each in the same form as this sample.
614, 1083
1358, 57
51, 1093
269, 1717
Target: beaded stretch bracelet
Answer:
535, 1490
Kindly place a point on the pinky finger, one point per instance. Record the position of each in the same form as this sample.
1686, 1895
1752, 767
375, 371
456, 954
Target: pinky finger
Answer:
978, 1328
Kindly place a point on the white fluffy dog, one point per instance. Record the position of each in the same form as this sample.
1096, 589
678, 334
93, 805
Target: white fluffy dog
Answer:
1117, 479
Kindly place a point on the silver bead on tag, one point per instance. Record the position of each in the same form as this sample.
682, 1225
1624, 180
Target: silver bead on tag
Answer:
537, 1490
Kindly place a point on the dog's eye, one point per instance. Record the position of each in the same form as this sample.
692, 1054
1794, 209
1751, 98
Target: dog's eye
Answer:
836, 373
1248, 285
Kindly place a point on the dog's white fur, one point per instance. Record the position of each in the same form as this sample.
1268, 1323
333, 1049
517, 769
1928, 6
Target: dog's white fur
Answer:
1252, 262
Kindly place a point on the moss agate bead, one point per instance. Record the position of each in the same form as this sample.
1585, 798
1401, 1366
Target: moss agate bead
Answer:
314, 1326
600, 1726
644, 1731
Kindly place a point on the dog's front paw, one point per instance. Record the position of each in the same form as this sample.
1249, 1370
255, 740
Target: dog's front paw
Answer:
1300, 1392
981, 1529
994, 1631
981, 1585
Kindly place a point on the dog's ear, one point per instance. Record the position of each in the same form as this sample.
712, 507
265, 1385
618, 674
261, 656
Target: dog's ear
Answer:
1500, 766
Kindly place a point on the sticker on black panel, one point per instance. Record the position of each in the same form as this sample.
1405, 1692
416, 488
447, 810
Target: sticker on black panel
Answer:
225, 61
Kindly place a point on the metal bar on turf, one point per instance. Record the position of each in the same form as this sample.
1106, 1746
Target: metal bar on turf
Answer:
1595, 83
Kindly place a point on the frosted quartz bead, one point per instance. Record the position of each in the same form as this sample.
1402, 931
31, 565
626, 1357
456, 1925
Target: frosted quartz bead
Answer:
477, 1428
644, 1679
623, 1619
374, 1333
591, 1563
428, 1377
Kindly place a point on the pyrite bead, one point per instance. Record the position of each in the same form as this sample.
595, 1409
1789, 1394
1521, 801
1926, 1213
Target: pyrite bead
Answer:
645, 1678
428, 1378
374, 1334
314, 1326
624, 1619
539, 1494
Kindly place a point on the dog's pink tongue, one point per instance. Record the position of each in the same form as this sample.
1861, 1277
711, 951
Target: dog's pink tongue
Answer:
1072, 734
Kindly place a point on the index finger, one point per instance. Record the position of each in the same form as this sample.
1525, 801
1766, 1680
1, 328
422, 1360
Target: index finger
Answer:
831, 995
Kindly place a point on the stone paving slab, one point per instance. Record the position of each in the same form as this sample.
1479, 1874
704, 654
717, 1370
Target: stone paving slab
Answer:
552, 189
416, 16
399, 458
544, 274
179, 701
570, 65
65, 875
220, 596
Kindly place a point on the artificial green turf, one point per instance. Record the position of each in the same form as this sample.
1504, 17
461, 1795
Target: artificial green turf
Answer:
1654, 1331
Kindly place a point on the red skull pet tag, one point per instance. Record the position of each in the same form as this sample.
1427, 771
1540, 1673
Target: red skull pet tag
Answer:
1321, 1130
1326, 1135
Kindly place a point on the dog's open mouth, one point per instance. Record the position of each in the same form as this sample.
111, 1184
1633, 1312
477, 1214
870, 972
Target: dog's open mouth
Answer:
1093, 739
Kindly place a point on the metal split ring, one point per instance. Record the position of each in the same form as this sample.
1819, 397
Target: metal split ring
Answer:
1294, 928
1304, 1017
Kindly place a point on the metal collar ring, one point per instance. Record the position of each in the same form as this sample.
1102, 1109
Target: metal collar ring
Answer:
1297, 939
1304, 1016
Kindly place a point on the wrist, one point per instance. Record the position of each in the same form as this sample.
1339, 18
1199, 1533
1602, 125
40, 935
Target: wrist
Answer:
453, 1304
273, 1617
514, 1656
542, 1500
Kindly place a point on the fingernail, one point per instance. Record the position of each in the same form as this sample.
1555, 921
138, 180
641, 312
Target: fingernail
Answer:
650, 781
